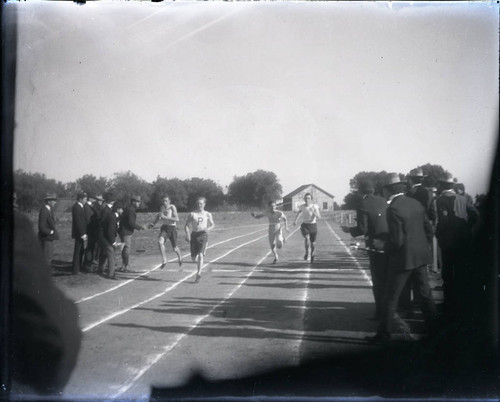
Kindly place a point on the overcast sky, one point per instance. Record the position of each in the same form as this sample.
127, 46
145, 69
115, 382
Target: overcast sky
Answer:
315, 92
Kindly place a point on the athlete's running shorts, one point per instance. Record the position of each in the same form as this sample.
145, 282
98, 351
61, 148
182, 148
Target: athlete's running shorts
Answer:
275, 237
198, 243
310, 229
169, 232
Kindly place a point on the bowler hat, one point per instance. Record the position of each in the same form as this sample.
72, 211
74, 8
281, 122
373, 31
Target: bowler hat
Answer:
447, 178
392, 178
50, 196
418, 172
91, 196
136, 198
98, 197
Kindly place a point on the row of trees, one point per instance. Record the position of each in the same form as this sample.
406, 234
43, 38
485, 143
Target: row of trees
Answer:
251, 190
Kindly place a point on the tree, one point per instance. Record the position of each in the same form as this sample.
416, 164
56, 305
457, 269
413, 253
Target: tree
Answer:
207, 188
254, 189
31, 188
351, 201
126, 184
93, 185
174, 188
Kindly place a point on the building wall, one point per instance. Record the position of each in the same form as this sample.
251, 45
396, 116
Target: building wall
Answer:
319, 198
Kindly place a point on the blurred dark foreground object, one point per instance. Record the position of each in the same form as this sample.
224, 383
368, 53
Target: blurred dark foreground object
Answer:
45, 336
399, 370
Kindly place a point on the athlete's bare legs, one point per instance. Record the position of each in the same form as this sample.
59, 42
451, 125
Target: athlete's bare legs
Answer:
161, 245
306, 245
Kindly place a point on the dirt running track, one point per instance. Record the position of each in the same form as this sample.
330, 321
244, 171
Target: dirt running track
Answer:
245, 315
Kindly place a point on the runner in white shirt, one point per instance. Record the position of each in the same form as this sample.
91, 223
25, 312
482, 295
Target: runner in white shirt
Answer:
168, 215
276, 239
308, 228
197, 225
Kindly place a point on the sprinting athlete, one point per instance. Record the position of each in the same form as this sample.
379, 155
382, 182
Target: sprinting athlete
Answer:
309, 229
276, 239
197, 225
168, 215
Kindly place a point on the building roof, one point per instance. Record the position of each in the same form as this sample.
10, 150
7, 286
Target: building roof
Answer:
303, 187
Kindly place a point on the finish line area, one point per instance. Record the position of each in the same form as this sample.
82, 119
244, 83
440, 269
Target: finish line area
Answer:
155, 327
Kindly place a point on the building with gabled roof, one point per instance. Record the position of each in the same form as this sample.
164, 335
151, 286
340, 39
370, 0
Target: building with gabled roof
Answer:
293, 200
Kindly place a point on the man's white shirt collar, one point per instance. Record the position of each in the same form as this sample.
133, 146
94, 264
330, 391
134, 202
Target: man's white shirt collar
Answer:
48, 207
391, 198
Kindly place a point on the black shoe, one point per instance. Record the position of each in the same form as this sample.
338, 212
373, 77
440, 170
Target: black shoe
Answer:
163, 265
113, 277
275, 261
378, 339
312, 258
306, 256
197, 278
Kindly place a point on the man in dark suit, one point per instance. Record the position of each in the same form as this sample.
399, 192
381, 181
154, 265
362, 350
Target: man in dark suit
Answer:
421, 193
108, 230
372, 223
417, 191
408, 249
79, 231
90, 212
47, 231
456, 220
128, 224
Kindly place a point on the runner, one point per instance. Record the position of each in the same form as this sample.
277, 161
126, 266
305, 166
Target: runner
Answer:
276, 239
167, 214
308, 228
197, 225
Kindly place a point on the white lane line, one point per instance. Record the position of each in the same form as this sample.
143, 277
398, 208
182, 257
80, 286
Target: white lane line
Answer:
84, 299
154, 359
365, 275
120, 312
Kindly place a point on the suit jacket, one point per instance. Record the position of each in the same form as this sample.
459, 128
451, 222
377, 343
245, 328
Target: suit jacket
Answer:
79, 224
128, 221
371, 219
455, 217
410, 234
46, 223
108, 225
425, 197
89, 211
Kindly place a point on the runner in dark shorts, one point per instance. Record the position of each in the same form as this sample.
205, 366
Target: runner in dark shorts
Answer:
197, 225
309, 212
168, 214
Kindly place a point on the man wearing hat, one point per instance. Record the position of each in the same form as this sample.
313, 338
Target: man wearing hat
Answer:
454, 233
108, 229
372, 223
90, 212
47, 231
79, 231
408, 252
421, 194
127, 226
